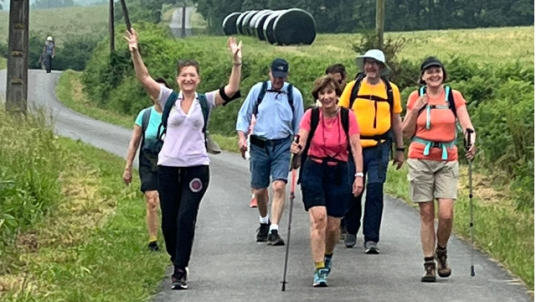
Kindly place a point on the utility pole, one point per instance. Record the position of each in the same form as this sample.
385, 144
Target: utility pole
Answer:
111, 24
380, 21
17, 61
183, 21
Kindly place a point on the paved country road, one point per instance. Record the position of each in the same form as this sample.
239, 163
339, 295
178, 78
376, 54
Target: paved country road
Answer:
228, 265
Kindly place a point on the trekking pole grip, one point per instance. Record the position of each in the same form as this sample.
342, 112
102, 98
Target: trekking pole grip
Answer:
468, 143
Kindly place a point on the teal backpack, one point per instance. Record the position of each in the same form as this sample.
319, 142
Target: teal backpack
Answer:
449, 105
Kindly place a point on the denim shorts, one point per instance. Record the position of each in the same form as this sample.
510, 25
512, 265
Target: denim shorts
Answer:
327, 186
271, 160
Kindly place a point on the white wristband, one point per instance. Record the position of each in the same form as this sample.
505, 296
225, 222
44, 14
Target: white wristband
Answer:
359, 174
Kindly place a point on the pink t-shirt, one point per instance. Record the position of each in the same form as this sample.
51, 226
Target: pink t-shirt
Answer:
184, 142
329, 139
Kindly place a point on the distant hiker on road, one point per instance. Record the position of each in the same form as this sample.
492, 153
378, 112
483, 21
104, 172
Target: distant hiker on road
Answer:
183, 162
49, 51
145, 129
278, 107
338, 72
433, 173
376, 103
327, 134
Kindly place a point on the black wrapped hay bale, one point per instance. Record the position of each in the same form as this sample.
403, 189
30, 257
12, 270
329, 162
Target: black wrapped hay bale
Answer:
268, 27
239, 21
253, 22
229, 24
259, 25
247, 19
294, 27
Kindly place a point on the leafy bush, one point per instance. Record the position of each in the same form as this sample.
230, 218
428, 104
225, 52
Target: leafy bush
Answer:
30, 165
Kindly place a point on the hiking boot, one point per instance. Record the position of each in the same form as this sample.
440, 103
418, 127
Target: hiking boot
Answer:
320, 278
371, 247
350, 240
179, 279
153, 246
327, 264
430, 270
253, 203
443, 269
343, 233
274, 239
262, 232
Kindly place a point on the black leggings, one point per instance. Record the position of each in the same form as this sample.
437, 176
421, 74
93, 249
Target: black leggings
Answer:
181, 191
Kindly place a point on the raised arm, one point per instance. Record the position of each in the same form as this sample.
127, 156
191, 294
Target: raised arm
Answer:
230, 90
150, 85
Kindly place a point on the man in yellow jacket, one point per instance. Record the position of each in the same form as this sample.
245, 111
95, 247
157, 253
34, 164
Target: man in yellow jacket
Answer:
377, 106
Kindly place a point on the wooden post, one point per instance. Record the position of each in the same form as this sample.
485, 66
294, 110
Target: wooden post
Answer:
111, 24
380, 21
17, 59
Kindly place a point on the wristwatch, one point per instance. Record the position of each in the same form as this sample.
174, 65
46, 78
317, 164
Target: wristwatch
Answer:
400, 149
359, 174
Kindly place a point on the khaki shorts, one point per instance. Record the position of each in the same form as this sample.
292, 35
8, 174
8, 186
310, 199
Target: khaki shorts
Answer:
430, 179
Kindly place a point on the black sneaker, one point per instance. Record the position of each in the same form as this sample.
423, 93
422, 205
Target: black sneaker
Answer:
153, 246
274, 239
262, 232
179, 280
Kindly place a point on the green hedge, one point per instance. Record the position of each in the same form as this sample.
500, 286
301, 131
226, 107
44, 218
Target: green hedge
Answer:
500, 96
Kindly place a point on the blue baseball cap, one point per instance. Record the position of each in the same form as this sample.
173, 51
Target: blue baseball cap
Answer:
279, 68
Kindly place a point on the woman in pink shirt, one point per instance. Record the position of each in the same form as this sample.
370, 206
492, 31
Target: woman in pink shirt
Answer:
326, 182
183, 163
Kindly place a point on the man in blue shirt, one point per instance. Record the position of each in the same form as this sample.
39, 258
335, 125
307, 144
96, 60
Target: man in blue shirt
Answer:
278, 107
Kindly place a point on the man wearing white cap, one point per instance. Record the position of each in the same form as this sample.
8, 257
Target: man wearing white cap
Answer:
377, 106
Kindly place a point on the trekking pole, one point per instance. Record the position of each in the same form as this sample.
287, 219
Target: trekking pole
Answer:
471, 223
125, 14
292, 189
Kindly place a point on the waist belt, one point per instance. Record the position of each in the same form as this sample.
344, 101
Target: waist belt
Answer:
433, 144
262, 142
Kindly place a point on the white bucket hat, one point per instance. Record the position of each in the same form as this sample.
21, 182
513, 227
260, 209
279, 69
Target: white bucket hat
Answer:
49, 38
375, 54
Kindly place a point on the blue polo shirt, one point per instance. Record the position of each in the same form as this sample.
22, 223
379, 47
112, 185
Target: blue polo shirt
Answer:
275, 119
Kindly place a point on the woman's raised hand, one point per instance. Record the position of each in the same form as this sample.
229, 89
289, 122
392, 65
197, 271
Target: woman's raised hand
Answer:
132, 39
236, 49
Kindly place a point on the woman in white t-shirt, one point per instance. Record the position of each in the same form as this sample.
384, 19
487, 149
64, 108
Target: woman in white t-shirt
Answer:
183, 163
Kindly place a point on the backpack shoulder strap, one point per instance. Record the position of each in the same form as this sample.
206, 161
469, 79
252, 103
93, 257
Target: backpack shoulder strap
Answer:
165, 113
145, 119
315, 117
422, 90
260, 97
389, 89
345, 121
290, 96
450, 100
144, 124
355, 90
204, 107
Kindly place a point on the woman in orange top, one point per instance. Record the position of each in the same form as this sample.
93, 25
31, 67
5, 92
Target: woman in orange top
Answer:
430, 123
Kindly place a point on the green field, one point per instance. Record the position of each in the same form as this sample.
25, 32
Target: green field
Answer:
74, 22
484, 46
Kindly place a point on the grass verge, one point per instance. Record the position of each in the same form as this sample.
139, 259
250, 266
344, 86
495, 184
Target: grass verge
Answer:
91, 242
3, 63
505, 234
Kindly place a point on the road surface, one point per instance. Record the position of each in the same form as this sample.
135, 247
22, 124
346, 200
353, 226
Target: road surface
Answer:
176, 22
228, 265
